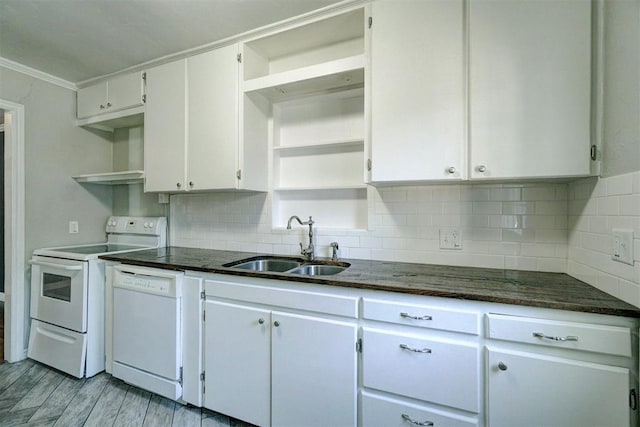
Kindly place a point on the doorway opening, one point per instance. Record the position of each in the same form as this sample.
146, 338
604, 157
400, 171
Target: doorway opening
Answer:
14, 310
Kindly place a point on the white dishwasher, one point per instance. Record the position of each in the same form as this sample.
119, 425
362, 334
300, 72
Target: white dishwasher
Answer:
147, 329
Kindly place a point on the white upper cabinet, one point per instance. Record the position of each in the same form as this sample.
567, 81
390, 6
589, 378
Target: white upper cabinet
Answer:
164, 127
192, 140
212, 160
530, 88
114, 95
417, 90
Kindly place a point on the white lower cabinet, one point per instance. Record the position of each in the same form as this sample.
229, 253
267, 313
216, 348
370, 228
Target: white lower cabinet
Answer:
528, 389
443, 372
268, 366
382, 411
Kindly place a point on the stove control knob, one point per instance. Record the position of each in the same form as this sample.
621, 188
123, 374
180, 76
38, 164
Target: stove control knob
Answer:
146, 224
151, 225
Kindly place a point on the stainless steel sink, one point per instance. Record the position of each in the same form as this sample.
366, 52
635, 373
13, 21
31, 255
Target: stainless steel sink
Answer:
289, 265
317, 270
266, 264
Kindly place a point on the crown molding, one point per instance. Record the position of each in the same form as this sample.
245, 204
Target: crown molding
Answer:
32, 72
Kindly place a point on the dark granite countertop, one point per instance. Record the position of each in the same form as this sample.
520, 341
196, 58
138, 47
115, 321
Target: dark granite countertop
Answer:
528, 288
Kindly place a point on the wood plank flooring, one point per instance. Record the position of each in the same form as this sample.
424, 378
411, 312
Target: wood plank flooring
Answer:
1, 332
32, 394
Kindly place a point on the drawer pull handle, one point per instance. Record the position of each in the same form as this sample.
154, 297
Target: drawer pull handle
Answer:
416, 422
548, 337
410, 316
415, 350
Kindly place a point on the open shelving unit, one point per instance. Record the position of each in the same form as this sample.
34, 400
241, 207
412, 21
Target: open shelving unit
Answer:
312, 78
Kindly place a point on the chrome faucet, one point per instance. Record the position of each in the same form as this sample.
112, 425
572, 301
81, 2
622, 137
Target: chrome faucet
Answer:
309, 251
334, 251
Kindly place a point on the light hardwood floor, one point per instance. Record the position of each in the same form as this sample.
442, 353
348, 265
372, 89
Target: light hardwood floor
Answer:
32, 394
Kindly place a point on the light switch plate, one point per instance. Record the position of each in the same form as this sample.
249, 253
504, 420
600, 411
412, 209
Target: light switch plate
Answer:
73, 227
622, 250
450, 238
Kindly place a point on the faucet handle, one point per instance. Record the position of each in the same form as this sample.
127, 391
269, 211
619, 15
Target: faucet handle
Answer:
334, 253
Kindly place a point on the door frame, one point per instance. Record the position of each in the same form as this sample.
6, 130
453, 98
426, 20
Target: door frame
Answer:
15, 319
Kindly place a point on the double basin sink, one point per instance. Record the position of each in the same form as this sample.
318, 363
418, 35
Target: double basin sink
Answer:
289, 265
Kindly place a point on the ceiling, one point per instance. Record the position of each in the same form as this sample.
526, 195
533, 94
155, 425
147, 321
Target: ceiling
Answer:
77, 40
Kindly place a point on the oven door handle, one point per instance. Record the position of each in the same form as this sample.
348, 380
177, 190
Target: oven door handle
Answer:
58, 266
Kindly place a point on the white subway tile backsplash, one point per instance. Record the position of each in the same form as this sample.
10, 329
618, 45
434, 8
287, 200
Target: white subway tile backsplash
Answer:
537, 226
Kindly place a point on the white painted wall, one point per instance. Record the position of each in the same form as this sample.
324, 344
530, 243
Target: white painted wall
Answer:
55, 150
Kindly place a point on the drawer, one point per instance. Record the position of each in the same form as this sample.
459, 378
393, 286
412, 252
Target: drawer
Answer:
553, 333
326, 303
422, 316
388, 412
439, 371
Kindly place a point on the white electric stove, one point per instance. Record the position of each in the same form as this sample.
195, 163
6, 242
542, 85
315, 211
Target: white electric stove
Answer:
68, 295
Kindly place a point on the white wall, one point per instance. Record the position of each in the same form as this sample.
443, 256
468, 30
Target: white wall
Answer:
55, 150
519, 226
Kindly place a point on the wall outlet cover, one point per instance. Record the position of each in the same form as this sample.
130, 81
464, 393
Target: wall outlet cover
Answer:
450, 238
73, 227
622, 250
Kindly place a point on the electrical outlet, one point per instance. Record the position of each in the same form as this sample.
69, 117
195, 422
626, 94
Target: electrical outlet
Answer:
450, 238
73, 227
622, 246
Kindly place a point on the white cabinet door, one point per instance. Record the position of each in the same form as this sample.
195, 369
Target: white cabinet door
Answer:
164, 127
92, 100
417, 91
212, 155
314, 374
124, 92
530, 86
526, 389
237, 361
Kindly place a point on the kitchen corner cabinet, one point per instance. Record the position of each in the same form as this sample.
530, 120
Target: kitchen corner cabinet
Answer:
278, 367
499, 90
417, 90
113, 95
570, 373
192, 140
529, 88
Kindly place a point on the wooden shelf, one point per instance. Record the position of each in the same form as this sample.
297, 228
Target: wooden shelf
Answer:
330, 187
356, 142
112, 178
339, 74
127, 118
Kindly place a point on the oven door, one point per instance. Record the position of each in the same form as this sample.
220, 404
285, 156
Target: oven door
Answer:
59, 292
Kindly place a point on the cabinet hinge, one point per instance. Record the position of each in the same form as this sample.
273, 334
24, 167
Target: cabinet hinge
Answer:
594, 152
369, 165
370, 21
144, 76
180, 381
144, 98
202, 295
239, 57
633, 399
239, 174
359, 345
204, 315
202, 379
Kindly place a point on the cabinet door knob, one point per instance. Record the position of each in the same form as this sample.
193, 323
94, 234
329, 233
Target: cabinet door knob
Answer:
102, 106
261, 321
191, 184
108, 104
481, 168
178, 185
276, 323
451, 170
502, 366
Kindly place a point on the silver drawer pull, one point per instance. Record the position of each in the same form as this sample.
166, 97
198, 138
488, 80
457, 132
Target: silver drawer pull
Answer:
548, 337
410, 316
415, 422
415, 350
